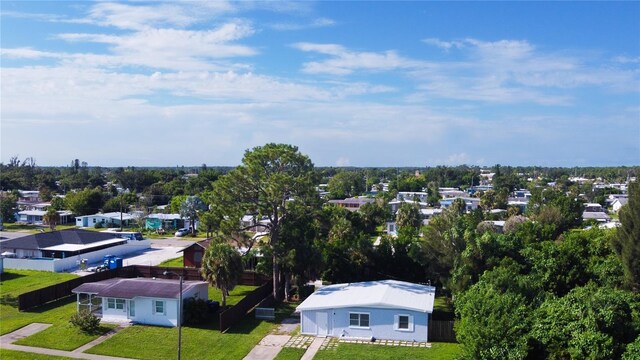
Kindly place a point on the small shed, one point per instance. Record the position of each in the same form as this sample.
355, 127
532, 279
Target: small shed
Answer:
192, 254
386, 309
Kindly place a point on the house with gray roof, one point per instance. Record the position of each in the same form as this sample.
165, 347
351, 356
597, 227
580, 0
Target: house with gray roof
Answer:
63, 250
139, 300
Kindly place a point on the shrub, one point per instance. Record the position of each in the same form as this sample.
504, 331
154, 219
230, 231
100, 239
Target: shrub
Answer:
86, 322
196, 311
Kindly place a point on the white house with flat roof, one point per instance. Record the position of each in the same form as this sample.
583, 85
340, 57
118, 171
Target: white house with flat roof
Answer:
386, 309
111, 219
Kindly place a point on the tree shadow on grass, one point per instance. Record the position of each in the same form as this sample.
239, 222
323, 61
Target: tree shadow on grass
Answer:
10, 276
52, 305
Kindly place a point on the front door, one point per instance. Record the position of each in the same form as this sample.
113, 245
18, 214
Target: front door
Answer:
132, 309
322, 322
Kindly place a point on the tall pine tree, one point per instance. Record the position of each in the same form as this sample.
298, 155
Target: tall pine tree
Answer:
627, 242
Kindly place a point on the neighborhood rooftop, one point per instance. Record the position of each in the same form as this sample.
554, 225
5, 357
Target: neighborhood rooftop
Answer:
130, 288
56, 238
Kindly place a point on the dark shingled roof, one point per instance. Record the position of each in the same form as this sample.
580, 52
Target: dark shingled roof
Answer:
53, 238
130, 288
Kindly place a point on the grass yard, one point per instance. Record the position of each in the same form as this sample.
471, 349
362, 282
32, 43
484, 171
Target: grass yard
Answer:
443, 308
61, 335
238, 293
290, 354
176, 263
141, 342
19, 355
439, 351
16, 282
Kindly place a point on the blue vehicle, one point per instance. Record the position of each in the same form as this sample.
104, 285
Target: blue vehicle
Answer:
110, 262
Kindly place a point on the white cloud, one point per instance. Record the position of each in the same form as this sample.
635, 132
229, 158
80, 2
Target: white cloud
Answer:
446, 45
315, 23
169, 48
28, 53
141, 17
344, 61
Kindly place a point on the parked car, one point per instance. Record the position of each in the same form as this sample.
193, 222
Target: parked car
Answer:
182, 232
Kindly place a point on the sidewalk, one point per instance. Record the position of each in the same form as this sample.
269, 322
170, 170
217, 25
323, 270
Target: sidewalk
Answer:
270, 345
6, 342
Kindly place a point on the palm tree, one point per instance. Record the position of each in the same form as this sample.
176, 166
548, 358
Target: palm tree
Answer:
51, 217
222, 268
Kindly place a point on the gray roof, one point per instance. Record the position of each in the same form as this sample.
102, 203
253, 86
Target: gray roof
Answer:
54, 238
131, 288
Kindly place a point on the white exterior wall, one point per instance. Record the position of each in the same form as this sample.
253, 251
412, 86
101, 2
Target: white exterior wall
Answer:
382, 324
145, 309
58, 265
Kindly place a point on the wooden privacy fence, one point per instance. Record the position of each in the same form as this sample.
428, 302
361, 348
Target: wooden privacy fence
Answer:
50, 293
442, 331
236, 313
58, 291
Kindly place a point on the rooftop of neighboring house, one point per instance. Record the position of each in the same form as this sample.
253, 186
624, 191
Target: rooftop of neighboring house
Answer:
55, 238
131, 288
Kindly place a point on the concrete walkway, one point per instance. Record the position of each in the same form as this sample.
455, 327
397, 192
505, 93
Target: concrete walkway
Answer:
6, 342
313, 349
269, 347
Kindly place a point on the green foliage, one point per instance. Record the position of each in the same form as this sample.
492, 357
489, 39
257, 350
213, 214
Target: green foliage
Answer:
8, 206
492, 199
222, 268
86, 321
589, 322
408, 220
85, 202
57, 203
299, 257
190, 208
264, 185
493, 324
552, 208
196, 311
373, 215
633, 350
346, 184
51, 217
627, 242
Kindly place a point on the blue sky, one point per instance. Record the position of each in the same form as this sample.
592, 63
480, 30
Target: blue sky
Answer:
349, 83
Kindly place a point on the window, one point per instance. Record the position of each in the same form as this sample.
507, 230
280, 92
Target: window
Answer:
120, 304
403, 322
158, 307
115, 303
359, 320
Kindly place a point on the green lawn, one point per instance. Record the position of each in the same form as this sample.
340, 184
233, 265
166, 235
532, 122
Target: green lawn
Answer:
16, 282
290, 354
19, 355
61, 335
205, 342
238, 293
439, 351
177, 263
443, 308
